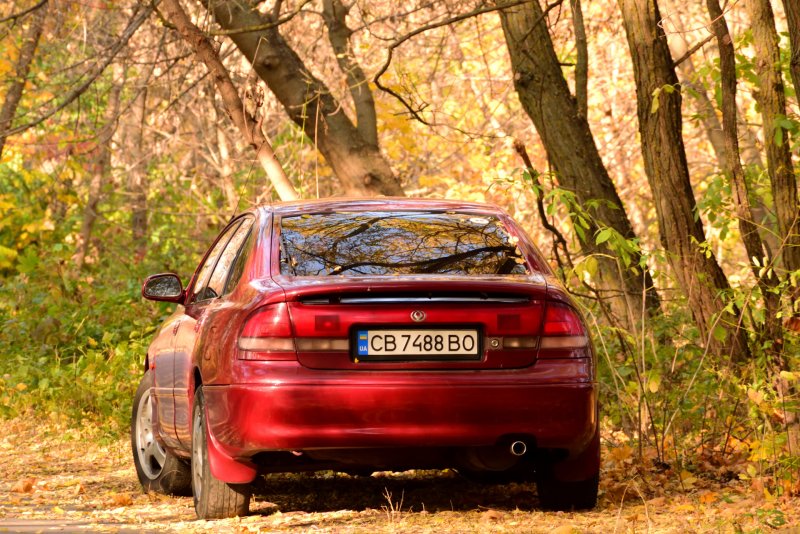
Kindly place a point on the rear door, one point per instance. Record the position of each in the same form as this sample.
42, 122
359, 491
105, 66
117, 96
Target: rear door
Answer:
205, 289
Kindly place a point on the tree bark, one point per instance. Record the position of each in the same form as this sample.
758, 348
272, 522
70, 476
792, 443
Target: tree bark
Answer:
582, 59
357, 162
247, 125
22, 68
735, 172
772, 99
682, 236
568, 140
792, 9
335, 15
134, 126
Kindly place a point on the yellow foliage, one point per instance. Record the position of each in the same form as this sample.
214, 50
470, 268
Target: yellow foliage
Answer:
6, 67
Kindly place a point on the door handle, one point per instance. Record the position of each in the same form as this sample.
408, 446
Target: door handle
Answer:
175, 328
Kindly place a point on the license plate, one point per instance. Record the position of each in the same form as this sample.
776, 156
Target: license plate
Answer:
417, 344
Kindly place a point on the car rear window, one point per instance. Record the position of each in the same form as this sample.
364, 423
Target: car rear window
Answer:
393, 243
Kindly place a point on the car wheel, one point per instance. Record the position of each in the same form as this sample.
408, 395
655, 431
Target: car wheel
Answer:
157, 468
213, 498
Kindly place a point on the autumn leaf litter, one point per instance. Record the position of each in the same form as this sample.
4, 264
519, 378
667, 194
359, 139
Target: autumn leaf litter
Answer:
77, 480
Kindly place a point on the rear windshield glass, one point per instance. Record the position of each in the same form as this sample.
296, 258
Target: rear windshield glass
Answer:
389, 243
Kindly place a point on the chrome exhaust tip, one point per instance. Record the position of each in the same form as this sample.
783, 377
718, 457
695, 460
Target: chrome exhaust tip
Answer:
518, 448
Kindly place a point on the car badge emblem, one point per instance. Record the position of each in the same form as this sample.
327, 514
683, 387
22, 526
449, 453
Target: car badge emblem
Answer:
418, 316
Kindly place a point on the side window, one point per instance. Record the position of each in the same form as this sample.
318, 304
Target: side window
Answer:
237, 270
199, 290
216, 283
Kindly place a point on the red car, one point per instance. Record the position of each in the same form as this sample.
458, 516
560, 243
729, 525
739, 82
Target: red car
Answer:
364, 335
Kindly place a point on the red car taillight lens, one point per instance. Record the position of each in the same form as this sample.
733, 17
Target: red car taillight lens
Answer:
267, 335
563, 333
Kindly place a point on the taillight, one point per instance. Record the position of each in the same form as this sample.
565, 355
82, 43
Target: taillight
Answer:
267, 335
563, 333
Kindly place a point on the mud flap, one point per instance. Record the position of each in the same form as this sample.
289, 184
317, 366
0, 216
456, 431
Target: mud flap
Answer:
225, 468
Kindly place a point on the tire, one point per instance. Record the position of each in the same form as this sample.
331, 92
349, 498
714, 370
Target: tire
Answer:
556, 484
157, 468
213, 498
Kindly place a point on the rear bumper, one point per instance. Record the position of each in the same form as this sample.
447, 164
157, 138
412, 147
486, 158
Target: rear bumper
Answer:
357, 410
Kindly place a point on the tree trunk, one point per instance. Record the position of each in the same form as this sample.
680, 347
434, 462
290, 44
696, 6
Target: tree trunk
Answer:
659, 111
14, 93
335, 15
565, 132
772, 99
137, 171
582, 59
357, 162
735, 172
792, 8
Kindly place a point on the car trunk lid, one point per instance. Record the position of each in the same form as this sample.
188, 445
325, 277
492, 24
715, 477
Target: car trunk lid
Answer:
428, 321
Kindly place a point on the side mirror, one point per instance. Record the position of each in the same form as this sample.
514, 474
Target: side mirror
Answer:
165, 287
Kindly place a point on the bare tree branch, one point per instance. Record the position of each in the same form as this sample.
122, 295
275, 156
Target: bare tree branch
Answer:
246, 123
15, 16
689, 53
14, 94
139, 16
266, 26
458, 18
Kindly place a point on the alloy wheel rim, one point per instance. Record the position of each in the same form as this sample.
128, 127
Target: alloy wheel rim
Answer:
151, 455
197, 455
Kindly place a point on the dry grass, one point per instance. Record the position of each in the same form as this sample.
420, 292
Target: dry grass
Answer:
67, 477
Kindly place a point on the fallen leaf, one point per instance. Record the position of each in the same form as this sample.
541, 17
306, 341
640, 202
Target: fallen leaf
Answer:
621, 454
24, 486
122, 499
564, 529
58, 510
709, 497
684, 508
491, 515
687, 479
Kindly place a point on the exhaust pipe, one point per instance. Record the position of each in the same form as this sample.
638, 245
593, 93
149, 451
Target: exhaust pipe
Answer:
518, 448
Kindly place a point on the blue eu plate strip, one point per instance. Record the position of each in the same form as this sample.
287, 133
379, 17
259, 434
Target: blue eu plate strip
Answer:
363, 344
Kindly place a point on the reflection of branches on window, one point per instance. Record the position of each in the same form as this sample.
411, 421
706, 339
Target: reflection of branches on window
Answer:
436, 265
286, 256
362, 227
379, 243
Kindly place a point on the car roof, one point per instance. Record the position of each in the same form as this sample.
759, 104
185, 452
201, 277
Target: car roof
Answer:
297, 207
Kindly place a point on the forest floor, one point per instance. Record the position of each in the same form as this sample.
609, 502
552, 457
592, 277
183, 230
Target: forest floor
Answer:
59, 479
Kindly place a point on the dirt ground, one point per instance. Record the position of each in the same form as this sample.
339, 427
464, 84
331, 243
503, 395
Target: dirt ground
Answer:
55, 479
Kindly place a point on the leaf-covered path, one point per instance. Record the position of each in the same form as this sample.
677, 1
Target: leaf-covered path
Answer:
72, 480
